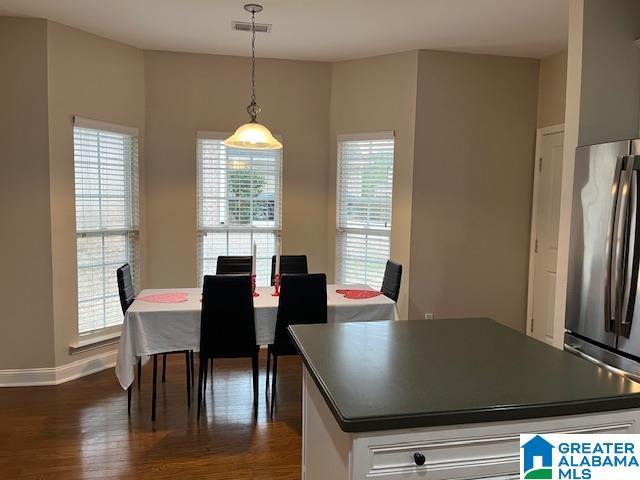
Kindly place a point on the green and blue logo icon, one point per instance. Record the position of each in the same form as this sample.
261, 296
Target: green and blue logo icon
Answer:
537, 459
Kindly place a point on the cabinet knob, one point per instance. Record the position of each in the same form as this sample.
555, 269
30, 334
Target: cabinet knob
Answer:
419, 458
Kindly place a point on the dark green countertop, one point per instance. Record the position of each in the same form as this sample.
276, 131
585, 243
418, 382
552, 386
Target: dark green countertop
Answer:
419, 373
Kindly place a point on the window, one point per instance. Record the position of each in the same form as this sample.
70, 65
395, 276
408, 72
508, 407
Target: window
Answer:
107, 218
364, 195
238, 203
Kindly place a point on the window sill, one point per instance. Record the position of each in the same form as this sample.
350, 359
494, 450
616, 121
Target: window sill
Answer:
92, 342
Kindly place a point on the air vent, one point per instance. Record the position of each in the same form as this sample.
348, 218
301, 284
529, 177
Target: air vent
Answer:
246, 27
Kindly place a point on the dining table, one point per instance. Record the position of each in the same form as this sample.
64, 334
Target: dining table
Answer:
168, 320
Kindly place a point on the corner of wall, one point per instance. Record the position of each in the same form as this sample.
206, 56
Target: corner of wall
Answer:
377, 94
571, 134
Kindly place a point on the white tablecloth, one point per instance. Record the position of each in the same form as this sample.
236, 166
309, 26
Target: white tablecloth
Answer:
166, 327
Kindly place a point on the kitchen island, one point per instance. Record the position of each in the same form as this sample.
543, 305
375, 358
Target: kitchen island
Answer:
443, 399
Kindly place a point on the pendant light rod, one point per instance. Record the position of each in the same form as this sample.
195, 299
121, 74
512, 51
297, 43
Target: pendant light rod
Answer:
253, 109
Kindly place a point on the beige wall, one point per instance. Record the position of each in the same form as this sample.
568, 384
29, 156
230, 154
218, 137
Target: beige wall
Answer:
26, 321
472, 180
95, 78
371, 95
552, 90
469, 185
189, 92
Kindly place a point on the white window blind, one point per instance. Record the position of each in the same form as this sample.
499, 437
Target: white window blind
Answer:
107, 218
364, 201
239, 202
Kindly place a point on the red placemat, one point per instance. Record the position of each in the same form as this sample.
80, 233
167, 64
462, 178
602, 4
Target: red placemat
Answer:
177, 297
353, 294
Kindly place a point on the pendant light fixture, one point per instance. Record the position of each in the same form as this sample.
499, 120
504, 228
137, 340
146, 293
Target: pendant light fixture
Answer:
252, 135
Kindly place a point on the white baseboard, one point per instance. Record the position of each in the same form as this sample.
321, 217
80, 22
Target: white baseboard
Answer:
29, 377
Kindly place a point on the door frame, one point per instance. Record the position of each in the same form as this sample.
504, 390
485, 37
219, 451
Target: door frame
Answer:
540, 133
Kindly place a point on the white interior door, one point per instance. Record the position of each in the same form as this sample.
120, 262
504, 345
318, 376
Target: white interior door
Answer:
545, 222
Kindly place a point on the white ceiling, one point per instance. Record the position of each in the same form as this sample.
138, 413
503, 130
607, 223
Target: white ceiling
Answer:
317, 29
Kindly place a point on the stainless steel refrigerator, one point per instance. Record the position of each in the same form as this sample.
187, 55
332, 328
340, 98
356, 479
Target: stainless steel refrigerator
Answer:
603, 307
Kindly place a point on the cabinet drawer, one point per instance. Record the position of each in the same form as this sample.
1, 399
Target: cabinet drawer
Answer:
464, 453
445, 460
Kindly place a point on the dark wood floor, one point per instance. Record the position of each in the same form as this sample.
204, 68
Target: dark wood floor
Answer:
80, 430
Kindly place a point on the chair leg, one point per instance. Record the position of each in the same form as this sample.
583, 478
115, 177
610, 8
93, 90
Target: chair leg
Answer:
129, 400
193, 370
164, 367
274, 381
206, 373
200, 382
268, 366
209, 374
155, 381
187, 364
139, 372
255, 365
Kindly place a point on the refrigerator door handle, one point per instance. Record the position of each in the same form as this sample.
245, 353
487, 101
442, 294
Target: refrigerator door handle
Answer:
609, 310
631, 254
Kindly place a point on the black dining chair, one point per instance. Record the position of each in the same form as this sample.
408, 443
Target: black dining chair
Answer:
127, 296
303, 299
233, 265
227, 326
391, 280
126, 292
289, 264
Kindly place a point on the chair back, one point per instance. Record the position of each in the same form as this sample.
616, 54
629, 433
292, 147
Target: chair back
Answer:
289, 264
391, 280
303, 299
230, 265
125, 287
227, 328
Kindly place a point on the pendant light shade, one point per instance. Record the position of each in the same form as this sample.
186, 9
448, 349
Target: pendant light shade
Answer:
252, 135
